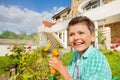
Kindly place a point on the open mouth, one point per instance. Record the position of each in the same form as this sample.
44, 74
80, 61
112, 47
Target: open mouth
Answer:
78, 43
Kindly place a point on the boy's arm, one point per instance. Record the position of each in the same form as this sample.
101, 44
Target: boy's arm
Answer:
57, 65
64, 72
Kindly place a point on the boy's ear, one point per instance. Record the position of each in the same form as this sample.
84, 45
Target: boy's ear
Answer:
93, 37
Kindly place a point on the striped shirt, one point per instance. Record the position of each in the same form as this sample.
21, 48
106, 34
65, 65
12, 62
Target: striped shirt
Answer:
93, 65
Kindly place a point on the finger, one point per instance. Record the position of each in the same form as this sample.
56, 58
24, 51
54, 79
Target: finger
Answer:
51, 60
50, 65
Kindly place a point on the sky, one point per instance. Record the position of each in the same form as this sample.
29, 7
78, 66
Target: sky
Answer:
27, 15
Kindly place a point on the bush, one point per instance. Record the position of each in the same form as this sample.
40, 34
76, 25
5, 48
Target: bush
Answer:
33, 66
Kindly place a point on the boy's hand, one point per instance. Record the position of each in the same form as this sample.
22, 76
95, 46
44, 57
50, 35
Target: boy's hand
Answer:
55, 64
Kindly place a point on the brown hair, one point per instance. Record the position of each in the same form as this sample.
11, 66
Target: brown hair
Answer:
82, 19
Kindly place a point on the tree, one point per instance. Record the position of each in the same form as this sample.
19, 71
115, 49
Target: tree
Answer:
8, 35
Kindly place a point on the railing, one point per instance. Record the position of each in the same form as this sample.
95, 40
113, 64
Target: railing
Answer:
58, 38
87, 5
15, 41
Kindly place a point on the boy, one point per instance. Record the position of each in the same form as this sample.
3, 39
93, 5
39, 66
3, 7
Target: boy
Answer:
87, 63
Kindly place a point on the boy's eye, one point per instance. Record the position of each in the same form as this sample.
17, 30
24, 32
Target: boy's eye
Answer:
71, 34
81, 32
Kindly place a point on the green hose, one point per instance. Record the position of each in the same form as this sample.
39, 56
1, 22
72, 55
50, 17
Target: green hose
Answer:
51, 77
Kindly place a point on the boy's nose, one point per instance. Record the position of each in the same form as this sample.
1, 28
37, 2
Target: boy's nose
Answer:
77, 36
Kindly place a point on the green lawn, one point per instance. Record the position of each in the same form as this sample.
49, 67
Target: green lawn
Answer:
4, 62
114, 61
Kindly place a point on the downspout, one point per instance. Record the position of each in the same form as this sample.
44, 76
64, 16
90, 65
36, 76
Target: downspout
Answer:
96, 33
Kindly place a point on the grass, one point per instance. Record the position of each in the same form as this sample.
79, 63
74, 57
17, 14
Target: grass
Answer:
114, 61
4, 62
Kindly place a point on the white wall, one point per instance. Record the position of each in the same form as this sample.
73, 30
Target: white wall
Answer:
4, 49
102, 12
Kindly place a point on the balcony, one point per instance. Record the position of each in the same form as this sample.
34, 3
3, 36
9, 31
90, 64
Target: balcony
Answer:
107, 11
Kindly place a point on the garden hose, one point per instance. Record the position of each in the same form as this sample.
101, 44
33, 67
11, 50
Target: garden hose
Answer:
51, 77
50, 49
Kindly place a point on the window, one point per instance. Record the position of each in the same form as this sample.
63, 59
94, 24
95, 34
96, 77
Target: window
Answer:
91, 5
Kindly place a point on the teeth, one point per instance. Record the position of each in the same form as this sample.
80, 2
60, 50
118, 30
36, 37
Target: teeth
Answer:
78, 43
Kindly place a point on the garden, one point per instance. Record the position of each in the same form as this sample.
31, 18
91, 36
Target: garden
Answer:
32, 64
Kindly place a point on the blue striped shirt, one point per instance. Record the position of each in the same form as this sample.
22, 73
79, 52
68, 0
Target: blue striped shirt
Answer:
93, 65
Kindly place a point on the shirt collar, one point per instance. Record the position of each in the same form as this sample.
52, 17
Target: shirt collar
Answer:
87, 53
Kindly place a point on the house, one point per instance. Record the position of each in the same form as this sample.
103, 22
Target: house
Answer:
104, 13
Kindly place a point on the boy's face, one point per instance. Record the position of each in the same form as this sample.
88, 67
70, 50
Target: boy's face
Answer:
80, 37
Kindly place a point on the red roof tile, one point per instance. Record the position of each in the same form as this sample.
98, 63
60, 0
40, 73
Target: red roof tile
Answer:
48, 24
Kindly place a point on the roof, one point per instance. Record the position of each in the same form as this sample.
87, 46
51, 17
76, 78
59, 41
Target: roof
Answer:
48, 24
61, 12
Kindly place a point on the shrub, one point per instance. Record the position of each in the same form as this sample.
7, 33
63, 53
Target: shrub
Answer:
33, 66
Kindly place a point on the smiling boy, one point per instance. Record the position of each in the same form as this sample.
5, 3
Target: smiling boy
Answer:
87, 63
